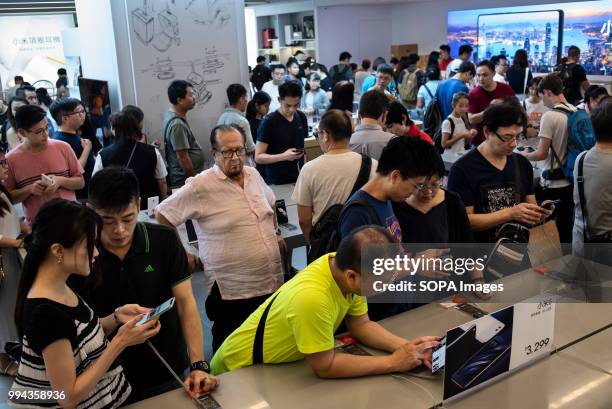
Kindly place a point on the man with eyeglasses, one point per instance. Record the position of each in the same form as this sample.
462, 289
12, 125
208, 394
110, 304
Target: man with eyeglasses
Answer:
280, 137
70, 116
488, 92
271, 87
493, 191
39, 155
237, 235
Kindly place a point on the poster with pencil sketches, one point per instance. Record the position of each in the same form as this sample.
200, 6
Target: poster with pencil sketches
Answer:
193, 40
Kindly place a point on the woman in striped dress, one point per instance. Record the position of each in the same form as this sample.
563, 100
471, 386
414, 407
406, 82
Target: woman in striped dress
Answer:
65, 350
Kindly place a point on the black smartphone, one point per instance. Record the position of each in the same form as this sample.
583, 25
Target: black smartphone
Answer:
482, 360
549, 204
207, 402
281, 212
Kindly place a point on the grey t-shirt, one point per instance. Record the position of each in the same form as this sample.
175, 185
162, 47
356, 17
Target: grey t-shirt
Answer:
178, 136
598, 195
370, 140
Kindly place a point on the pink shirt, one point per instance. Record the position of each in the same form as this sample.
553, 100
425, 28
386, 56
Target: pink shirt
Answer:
25, 168
235, 228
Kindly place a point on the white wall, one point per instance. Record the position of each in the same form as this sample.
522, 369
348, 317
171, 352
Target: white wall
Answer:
364, 31
425, 23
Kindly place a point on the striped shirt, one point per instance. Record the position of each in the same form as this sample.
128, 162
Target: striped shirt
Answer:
45, 322
25, 168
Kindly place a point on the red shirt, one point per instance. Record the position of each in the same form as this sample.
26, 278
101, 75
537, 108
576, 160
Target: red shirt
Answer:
415, 132
444, 63
481, 99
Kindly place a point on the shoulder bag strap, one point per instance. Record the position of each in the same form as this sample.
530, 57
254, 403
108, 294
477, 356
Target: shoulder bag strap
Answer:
525, 82
428, 91
127, 165
518, 193
581, 196
166, 132
364, 173
259, 334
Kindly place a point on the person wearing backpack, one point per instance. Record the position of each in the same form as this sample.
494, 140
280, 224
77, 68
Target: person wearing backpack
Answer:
593, 190
325, 183
564, 132
410, 81
574, 76
428, 90
341, 71
456, 128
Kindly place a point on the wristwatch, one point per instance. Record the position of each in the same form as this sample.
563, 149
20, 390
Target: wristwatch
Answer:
199, 366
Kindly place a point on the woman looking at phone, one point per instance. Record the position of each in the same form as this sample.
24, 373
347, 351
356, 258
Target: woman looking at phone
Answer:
65, 349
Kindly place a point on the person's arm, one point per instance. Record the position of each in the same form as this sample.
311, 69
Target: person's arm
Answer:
19, 195
305, 218
476, 118
447, 141
61, 372
198, 382
185, 162
68, 183
373, 334
263, 158
475, 114
120, 316
163, 188
420, 102
541, 153
86, 145
527, 213
161, 219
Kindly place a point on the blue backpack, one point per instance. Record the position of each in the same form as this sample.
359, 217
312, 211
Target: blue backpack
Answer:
581, 137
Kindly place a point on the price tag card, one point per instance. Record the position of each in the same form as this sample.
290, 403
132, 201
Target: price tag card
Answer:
533, 331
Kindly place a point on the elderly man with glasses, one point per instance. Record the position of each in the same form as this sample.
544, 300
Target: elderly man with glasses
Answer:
496, 184
236, 227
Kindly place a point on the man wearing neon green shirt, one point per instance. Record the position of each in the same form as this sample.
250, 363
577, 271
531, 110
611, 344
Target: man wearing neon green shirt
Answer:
306, 311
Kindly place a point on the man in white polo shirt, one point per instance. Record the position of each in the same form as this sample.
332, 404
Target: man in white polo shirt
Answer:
235, 223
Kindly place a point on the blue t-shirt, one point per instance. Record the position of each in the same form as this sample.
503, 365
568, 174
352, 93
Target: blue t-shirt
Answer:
75, 143
370, 81
446, 90
488, 189
358, 215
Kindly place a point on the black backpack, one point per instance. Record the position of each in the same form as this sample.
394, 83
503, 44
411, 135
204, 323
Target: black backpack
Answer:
432, 121
324, 237
438, 136
339, 75
565, 71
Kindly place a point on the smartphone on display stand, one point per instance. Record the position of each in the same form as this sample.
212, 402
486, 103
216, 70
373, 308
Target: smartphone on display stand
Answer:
482, 360
438, 355
486, 328
157, 311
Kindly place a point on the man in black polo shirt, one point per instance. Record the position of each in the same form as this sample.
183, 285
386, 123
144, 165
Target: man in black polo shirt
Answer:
280, 138
146, 264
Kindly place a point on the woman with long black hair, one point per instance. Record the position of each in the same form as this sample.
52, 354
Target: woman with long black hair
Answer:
64, 344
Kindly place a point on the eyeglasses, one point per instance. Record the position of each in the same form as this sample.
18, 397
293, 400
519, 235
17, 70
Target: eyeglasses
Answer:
80, 111
40, 131
514, 138
422, 187
228, 154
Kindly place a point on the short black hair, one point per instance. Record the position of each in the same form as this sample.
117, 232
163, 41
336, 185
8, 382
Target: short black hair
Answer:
21, 90
18, 78
62, 71
345, 55
573, 51
235, 92
119, 180
394, 60
337, 124
373, 104
458, 96
43, 96
278, 67
125, 127
366, 64
135, 111
602, 120
465, 49
593, 92
63, 106
508, 113
467, 66
412, 157
27, 116
552, 83
261, 58
534, 81
289, 89
433, 73
224, 128
178, 89
497, 58
385, 69
488, 64
397, 114
445, 47
348, 255
377, 62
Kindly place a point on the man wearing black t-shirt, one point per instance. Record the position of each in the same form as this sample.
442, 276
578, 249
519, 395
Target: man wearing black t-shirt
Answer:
493, 191
145, 264
574, 77
280, 138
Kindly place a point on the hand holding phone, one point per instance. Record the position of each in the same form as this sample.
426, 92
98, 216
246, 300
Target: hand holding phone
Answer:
550, 204
156, 312
46, 180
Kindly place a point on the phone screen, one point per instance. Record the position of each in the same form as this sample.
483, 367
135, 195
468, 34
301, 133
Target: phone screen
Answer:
480, 361
157, 311
438, 355
281, 212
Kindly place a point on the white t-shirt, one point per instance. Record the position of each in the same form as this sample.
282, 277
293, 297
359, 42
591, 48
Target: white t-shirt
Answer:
328, 180
535, 111
10, 228
554, 127
460, 128
272, 90
309, 101
160, 167
500, 78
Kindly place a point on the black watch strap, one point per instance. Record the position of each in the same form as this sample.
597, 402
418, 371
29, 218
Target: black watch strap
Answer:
199, 366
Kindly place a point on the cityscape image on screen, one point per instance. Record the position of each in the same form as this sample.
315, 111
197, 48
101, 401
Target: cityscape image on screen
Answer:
507, 29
